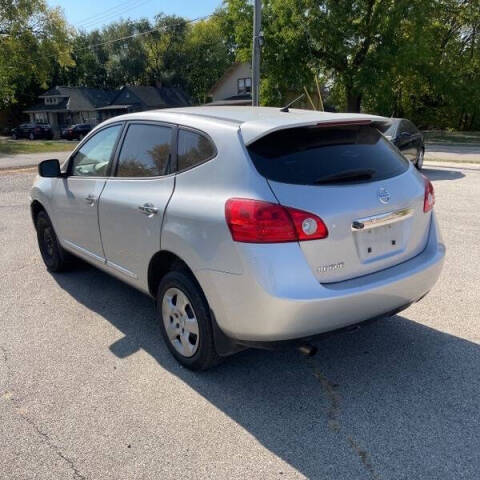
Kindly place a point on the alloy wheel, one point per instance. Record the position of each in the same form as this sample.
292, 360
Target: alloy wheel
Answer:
180, 322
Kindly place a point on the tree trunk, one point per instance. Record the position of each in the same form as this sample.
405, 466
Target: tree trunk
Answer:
354, 100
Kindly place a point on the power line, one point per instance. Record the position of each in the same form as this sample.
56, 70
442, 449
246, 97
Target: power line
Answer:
107, 11
140, 34
108, 17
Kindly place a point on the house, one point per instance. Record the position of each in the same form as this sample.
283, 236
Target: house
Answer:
234, 87
64, 106
140, 98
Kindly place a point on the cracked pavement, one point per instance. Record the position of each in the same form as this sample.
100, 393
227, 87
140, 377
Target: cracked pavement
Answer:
88, 390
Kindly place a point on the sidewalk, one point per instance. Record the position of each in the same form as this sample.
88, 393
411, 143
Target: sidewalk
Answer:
453, 152
24, 160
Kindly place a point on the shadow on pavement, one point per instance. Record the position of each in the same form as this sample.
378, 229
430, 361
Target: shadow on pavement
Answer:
435, 174
394, 399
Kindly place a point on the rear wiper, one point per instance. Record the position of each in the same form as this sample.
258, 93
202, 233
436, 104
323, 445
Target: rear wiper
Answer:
346, 176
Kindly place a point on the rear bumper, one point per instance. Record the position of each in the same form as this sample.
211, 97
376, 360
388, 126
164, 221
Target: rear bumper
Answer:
278, 298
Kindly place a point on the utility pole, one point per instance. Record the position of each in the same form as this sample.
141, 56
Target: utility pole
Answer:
257, 43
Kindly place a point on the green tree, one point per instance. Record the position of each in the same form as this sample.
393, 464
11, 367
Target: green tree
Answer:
33, 39
207, 54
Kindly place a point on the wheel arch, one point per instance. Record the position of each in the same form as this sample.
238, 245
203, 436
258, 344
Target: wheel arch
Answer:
165, 261
35, 208
160, 264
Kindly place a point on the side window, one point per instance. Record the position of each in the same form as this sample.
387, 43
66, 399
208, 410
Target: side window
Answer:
92, 159
145, 151
411, 128
193, 148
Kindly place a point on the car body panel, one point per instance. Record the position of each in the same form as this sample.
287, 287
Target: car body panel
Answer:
348, 253
74, 206
278, 298
257, 292
130, 236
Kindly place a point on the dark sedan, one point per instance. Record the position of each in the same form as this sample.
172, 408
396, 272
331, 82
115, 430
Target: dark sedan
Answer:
33, 131
407, 138
76, 132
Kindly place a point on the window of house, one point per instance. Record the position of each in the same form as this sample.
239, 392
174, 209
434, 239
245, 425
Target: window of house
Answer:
145, 151
244, 85
193, 149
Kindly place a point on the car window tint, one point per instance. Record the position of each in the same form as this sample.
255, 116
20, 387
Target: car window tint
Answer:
389, 129
193, 148
145, 151
410, 127
309, 155
93, 157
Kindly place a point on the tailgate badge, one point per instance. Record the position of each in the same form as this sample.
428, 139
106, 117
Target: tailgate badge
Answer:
330, 268
383, 195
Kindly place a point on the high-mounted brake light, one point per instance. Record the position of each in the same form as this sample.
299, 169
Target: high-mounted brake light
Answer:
429, 198
256, 221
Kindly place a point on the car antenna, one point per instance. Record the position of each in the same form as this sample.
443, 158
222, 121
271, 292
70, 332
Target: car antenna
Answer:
285, 109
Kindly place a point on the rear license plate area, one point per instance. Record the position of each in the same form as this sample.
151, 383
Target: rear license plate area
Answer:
380, 242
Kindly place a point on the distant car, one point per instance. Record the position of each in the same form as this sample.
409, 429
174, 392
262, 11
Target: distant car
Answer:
407, 138
76, 132
249, 225
33, 131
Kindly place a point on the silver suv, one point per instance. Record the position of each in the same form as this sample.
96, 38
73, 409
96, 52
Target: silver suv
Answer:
249, 226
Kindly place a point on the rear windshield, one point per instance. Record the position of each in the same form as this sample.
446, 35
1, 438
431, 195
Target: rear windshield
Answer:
319, 155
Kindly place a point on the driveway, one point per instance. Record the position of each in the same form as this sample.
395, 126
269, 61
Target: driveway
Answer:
88, 390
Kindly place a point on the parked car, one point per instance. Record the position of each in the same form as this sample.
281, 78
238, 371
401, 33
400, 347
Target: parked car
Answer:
407, 138
76, 132
32, 131
249, 226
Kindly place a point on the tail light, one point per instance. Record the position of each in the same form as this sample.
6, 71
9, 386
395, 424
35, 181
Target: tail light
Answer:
256, 221
429, 198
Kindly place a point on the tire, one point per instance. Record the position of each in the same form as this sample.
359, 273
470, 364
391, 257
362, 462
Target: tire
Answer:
31, 136
81, 136
14, 136
180, 317
419, 161
56, 259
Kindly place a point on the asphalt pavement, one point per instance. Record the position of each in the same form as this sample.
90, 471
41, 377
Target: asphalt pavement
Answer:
88, 390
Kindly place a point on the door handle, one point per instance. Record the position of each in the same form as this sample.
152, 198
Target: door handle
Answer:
148, 209
90, 199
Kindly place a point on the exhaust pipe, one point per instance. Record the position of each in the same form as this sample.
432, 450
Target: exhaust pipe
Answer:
307, 349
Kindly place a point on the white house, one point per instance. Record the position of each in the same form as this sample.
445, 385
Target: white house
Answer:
234, 87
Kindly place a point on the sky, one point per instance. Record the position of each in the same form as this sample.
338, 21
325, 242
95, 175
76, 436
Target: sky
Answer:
91, 14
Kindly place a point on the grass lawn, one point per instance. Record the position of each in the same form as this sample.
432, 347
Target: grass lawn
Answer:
443, 136
12, 147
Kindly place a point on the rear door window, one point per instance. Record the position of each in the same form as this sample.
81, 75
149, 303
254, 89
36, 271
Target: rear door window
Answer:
145, 151
321, 155
193, 148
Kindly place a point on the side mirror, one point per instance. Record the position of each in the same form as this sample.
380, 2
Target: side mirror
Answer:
49, 168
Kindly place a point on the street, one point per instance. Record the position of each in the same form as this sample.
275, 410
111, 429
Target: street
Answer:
89, 391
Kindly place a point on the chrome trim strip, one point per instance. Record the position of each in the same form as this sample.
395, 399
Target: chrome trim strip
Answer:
381, 220
121, 269
84, 251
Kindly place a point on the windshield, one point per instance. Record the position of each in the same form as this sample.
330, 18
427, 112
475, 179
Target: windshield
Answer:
316, 155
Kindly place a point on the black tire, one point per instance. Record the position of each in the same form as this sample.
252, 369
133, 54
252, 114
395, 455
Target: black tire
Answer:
14, 136
205, 356
56, 259
31, 136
